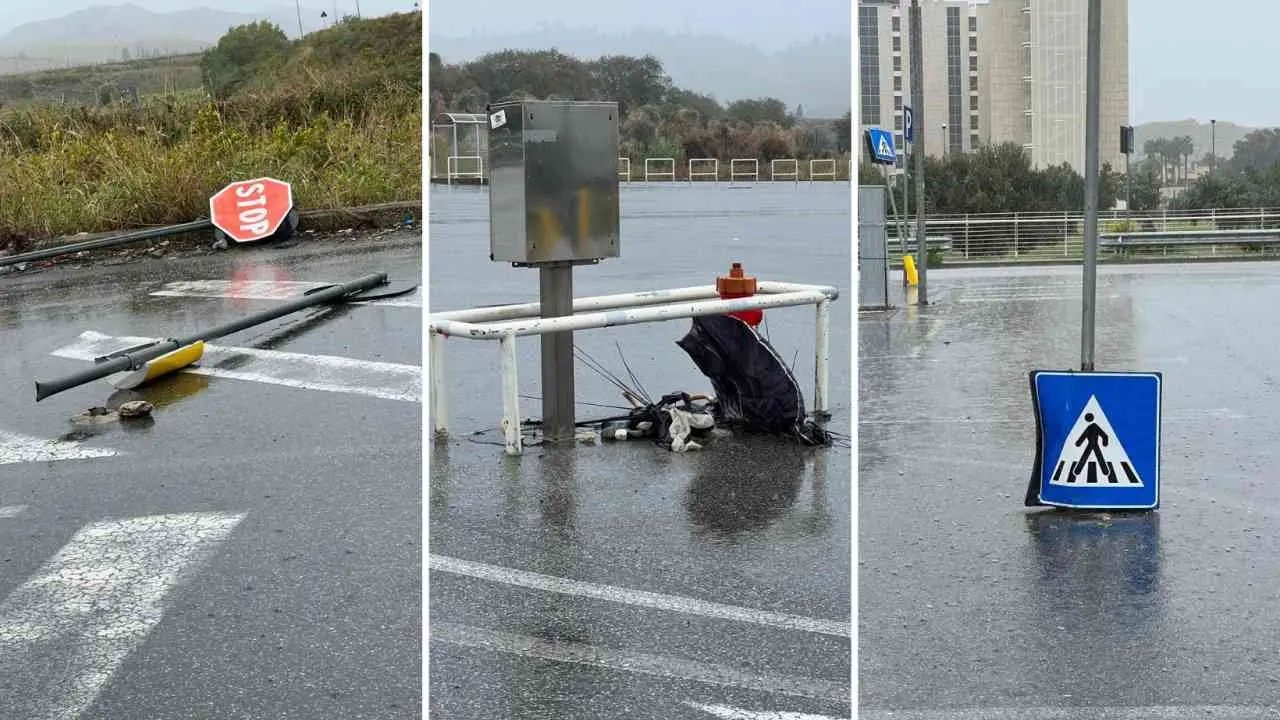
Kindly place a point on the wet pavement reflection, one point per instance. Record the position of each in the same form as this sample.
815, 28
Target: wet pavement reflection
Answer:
968, 601
745, 529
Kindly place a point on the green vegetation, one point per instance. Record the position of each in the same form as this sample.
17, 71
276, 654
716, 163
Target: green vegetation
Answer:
658, 119
1250, 179
337, 114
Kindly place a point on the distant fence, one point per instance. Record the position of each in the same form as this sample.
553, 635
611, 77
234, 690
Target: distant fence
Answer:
701, 170
650, 171
1059, 236
750, 169
669, 169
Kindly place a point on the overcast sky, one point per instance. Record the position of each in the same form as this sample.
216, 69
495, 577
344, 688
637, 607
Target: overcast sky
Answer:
17, 12
767, 25
1186, 60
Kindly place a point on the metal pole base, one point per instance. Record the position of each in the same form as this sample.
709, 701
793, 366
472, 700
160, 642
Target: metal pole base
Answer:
555, 292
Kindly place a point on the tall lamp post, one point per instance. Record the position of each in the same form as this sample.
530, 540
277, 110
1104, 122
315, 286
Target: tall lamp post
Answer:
1213, 146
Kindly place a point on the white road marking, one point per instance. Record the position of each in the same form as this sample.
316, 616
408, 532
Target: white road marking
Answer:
11, 511
641, 598
265, 290
728, 713
635, 662
1079, 712
329, 373
93, 603
15, 448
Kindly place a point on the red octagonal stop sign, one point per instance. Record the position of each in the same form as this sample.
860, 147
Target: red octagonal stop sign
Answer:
251, 209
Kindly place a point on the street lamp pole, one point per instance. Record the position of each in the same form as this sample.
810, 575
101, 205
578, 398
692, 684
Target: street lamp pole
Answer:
1213, 146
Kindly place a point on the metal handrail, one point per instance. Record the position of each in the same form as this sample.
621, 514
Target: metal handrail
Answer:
507, 322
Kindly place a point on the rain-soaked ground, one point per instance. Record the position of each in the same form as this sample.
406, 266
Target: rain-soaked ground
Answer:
622, 580
252, 551
971, 606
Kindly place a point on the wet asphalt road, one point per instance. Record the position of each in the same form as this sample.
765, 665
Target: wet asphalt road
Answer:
972, 606
543, 566
255, 552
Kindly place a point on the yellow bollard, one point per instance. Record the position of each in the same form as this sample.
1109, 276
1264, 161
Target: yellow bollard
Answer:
909, 270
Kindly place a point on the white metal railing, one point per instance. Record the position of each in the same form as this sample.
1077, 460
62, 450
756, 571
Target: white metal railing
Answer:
453, 162
669, 173
750, 171
713, 173
624, 168
776, 174
1049, 235
827, 171
507, 322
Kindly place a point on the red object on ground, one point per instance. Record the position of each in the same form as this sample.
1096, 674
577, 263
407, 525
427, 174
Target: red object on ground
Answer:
251, 209
738, 284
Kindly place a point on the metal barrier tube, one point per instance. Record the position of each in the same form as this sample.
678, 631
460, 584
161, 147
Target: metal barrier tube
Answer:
114, 240
510, 395
538, 326
822, 357
133, 361
439, 388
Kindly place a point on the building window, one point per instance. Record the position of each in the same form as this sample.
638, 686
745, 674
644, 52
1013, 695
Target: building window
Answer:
974, 141
973, 103
973, 122
973, 43
954, 142
973, 63
897, 121
897, 23
869, 64
897, 102
897, 63
973, 23
897, 43
973, 83
897, 83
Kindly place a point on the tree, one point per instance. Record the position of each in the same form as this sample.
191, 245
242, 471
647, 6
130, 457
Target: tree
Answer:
760, 110
240, 54
843, 129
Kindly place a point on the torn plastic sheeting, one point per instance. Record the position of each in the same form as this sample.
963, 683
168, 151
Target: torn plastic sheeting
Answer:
753, 386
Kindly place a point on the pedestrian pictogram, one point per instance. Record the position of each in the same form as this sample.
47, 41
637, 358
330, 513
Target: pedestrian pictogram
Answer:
1097, 440
1093, 454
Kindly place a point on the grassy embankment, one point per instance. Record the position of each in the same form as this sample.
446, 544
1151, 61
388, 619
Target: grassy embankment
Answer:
338, 115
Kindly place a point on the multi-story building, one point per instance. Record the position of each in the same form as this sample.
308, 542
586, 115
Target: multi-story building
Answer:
996, 71
1032, 77
949, 121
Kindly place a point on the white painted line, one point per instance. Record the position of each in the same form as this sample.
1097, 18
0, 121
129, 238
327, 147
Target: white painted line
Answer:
93, 603
729, 713
1083, 712
329, 373
640, 598
635, 662
11, 511
15, 448
265, 290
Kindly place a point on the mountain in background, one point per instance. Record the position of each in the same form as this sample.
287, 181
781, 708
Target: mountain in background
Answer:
815, 75
1224, 136
107, 33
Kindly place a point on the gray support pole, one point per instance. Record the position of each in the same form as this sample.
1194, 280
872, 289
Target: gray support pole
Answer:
555, 292
906, 205
1093, 77
917, 153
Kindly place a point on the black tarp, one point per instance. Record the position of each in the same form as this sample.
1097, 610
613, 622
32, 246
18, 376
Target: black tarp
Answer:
753, 386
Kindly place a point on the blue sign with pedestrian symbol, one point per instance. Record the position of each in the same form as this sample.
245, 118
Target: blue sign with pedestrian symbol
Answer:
880, 145
1097, 440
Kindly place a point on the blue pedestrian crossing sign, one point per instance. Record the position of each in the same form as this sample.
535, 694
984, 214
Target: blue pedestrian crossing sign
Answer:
880, 145
908, 124
1097, 440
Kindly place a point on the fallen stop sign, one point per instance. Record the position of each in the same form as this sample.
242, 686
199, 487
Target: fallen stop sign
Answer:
251, 209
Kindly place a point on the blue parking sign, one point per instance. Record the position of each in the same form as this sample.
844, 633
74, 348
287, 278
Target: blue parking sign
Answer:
908, 124
1097, 440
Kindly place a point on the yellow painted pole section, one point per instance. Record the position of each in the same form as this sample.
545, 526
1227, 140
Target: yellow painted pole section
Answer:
909, 269
163, 365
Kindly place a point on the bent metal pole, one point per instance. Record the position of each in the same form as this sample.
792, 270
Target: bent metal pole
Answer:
136, 358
